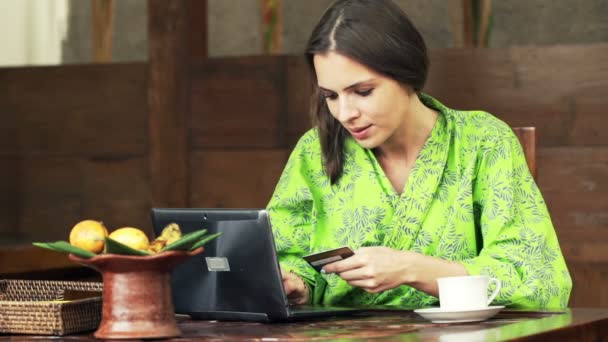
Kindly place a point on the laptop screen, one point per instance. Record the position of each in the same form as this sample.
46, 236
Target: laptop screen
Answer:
237, 272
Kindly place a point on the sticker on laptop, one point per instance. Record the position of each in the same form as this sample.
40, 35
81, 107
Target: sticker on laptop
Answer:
318, 260
217, 264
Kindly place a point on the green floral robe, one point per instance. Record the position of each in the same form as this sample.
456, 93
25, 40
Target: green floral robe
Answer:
469, 198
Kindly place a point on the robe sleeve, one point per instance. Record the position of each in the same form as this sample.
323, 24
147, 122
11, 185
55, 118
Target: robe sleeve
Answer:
516, 240
291, 215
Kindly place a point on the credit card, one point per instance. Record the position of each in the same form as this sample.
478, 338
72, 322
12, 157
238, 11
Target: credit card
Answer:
318, 260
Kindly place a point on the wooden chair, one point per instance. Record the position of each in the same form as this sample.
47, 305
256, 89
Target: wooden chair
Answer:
527, 138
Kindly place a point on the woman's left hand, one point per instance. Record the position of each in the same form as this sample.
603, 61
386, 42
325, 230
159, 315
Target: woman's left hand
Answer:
374, 269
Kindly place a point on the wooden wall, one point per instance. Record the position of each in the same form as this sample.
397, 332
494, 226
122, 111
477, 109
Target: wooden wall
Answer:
239, 116
75, 141
73, 144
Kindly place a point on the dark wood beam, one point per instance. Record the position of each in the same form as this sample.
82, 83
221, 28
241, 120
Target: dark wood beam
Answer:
197, 30
168, 110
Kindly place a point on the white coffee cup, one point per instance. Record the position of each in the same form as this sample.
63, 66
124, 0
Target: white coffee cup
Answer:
466, 293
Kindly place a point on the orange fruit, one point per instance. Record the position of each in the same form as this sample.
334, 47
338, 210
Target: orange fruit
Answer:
132, 237
89, 235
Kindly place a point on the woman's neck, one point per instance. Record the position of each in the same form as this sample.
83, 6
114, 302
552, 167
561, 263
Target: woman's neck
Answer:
409, 138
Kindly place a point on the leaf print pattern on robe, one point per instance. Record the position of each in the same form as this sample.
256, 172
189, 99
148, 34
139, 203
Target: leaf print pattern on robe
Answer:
469, 198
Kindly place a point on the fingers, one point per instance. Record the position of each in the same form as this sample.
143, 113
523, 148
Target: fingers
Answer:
366, 269
364, 278
351, 263
369, 285
289, 283
362, 273
357, 274
294, 287
289, 287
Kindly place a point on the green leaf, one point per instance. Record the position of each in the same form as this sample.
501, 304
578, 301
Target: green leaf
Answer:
66, 247
204, 240
186, 241
113, 246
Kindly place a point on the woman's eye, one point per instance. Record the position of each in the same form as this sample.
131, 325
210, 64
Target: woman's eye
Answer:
365, 92
330, 96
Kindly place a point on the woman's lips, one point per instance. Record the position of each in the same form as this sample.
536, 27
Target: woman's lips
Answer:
360, 133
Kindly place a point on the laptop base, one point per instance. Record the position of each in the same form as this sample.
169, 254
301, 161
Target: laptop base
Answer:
231, 316
296, 312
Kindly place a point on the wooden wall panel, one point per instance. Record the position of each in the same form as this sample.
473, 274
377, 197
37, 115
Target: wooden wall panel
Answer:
574, 183
52, 202
237, 178
299, 89
69, 127
590, 281
589, 122
470, 73
238, 102
117, 192
571, 211
32, 260
589, 249
74, 110
58, 192
9, 129
548, 87
11, 180
574, 170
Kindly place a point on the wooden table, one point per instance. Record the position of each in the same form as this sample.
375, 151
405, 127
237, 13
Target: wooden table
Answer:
573, 324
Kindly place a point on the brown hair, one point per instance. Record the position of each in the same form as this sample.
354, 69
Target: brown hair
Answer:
377, 34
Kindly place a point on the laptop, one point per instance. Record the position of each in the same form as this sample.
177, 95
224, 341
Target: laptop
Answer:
237, 277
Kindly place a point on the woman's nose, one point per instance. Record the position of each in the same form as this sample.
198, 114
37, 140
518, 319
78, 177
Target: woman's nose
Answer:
346, 110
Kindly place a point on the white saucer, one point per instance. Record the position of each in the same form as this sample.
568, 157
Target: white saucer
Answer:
437, 315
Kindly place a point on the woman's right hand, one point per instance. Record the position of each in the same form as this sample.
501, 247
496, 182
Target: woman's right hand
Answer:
295, 288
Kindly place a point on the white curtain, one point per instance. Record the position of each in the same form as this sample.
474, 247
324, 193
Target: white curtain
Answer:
32, 31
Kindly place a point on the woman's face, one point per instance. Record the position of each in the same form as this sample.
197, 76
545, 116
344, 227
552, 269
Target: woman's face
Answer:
370, 106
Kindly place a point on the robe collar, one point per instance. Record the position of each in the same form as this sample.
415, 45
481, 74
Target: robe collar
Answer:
412, 206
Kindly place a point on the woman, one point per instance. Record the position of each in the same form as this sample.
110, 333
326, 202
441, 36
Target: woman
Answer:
419, 191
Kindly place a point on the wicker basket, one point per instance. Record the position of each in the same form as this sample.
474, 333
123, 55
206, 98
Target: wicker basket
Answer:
39, 307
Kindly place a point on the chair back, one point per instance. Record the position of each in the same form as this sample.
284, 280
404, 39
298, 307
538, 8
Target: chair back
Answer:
527, 138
